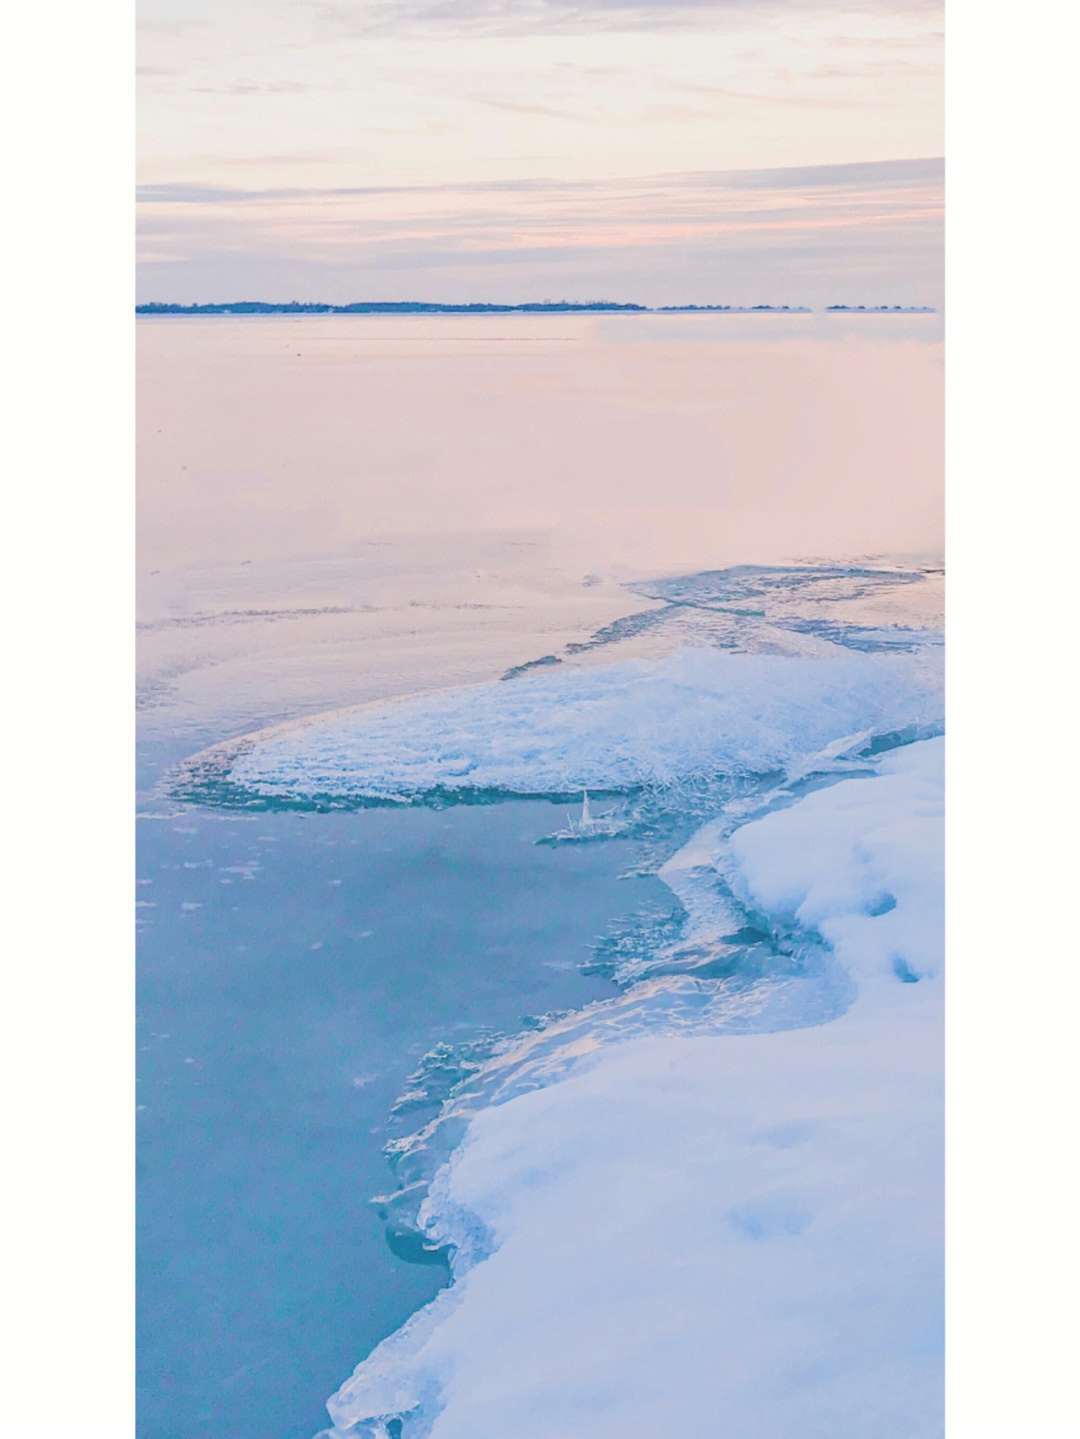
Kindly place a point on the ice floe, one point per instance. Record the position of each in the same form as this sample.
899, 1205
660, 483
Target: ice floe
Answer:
602, 728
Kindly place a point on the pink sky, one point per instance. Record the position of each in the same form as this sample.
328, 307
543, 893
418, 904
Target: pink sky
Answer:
773, 151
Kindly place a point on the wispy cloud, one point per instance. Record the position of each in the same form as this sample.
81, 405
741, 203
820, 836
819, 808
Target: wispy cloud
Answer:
256, 87
886, 214
524, 108
337, 19
195, 194
860, 176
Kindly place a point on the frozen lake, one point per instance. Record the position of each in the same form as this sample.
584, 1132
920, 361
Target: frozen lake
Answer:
336, 512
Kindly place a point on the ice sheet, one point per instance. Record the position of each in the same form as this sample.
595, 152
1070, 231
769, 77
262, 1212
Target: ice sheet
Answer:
694, 713
735, 1235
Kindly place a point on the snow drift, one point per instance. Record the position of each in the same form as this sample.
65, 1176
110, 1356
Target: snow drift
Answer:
737, 1234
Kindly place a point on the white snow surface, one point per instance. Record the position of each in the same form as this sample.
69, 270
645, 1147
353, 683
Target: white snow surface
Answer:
861, 863
735, 1235
601, 727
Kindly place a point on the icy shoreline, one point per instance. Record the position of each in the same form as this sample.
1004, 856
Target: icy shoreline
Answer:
693, 714
737, 1233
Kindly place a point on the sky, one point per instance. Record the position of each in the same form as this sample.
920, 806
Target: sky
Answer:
732, 152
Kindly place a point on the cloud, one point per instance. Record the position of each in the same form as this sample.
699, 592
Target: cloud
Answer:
195, 194
336, 19
257, 87
858, 175
861, 175
861, 233
523, 109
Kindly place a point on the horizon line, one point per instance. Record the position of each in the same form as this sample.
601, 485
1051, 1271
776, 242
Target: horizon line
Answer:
209, 307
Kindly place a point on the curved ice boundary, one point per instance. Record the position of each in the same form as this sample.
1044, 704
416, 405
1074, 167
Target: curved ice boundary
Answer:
689, 716
695, 1234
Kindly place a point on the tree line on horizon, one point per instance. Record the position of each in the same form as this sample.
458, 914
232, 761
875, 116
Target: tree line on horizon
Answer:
419, 307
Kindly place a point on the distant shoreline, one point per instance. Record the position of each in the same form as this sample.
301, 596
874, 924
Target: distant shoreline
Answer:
412, 307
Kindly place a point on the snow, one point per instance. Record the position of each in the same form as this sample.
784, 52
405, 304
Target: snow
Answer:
601, 727
735, 1234
878, 901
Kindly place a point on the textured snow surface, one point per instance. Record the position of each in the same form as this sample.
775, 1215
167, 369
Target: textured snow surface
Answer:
613, 727
737, 1235
861, 863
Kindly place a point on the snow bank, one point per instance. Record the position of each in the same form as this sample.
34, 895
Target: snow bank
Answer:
736, 1235
860, 863
613, 727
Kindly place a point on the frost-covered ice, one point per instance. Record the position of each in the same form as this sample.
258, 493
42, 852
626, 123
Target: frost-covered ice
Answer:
737, 1234
694, 713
